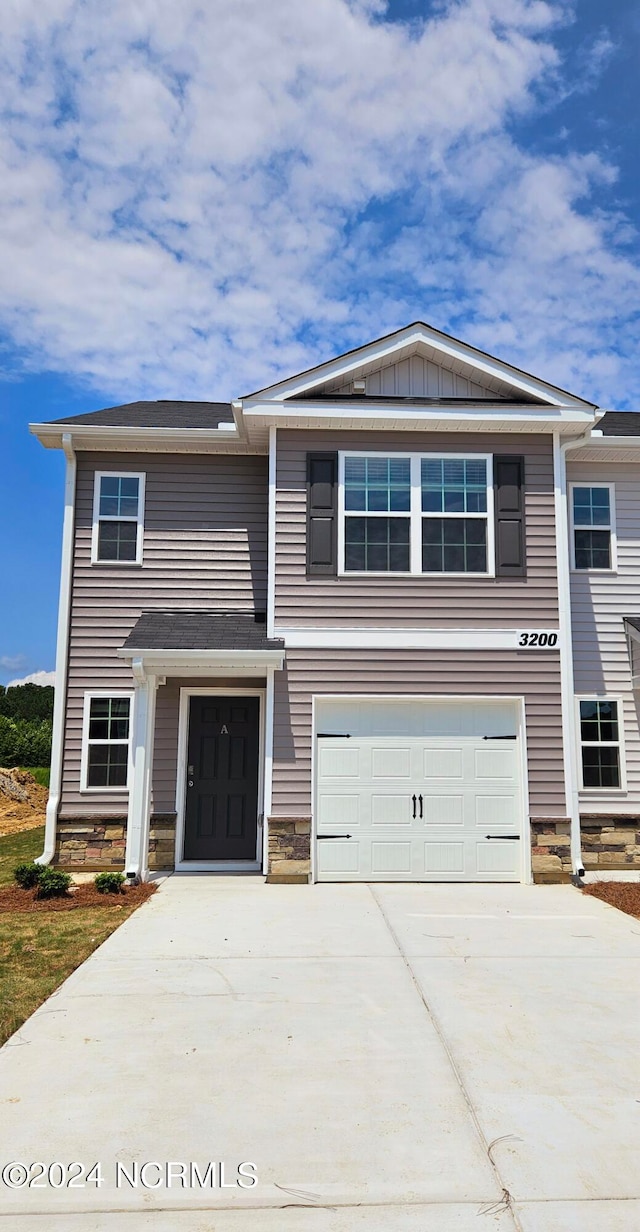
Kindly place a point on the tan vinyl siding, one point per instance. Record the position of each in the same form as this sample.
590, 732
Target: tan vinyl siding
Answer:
394, 601
205, 546
599, 601
536, 676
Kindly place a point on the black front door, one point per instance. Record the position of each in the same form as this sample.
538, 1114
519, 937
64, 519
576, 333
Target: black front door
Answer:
221, 817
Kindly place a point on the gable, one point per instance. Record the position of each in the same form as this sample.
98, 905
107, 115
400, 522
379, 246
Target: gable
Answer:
421, 362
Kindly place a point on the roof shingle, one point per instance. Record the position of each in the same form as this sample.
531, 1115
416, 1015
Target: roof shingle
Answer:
200, 630
161, 414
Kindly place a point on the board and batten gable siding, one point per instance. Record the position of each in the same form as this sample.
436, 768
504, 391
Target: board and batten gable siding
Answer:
598, 602
394, 601
417, 377
205, 546
532, 674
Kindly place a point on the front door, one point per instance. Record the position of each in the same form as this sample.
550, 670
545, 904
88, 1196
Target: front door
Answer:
221, 817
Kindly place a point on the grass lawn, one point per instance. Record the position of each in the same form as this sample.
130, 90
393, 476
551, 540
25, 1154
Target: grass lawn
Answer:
38, 950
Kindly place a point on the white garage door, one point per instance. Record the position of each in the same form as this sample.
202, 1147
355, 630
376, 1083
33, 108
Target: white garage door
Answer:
418, 791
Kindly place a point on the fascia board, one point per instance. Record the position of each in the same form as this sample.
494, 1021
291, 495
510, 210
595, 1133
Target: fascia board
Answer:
548, 418
599, 444
452, 348
93, 436
166, 659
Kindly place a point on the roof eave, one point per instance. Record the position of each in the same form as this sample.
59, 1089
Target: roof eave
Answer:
103, 436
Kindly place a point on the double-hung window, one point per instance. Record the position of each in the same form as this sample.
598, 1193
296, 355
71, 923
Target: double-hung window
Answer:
600, 742
593, 537
418, 513
105, 745
118, 518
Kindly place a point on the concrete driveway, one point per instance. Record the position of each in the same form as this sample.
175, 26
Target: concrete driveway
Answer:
394, 1058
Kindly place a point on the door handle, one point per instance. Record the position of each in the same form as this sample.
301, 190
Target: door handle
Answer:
414, 805
420, 802
189, 782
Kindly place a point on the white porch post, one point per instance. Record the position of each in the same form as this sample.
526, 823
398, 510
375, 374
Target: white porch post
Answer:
142, 743
268, 767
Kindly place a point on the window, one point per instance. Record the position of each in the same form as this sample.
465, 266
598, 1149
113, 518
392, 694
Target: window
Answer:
593, 538
105, 746
600, 743
118, 516
417, 514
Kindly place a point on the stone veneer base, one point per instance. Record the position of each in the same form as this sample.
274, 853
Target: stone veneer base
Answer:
610, 843
88, 844
289, 851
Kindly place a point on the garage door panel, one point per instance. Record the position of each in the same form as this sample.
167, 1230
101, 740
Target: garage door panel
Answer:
339, 859
442, 763
335, 811
443, 810
497, 811
442, 858
389, 859
494, 763
497, 858
341, 762
391, 763
391, 810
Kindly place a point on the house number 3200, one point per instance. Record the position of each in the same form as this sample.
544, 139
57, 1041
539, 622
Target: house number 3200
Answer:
543, 641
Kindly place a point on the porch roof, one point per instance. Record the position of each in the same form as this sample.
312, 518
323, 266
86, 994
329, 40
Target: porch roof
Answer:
201, 643
200, 630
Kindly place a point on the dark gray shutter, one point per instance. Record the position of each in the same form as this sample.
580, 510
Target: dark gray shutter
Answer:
322, 513
508, 480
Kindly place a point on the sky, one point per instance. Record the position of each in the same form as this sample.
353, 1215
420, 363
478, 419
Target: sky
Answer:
197, 199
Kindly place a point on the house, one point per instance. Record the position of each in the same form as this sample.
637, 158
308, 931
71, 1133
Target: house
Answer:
324, 631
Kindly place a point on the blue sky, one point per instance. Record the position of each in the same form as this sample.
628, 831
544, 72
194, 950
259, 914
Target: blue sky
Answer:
198, 199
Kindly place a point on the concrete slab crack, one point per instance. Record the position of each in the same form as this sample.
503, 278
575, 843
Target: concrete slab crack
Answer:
505, 1202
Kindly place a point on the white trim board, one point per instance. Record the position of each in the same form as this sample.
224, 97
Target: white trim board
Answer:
185, 866
367, 638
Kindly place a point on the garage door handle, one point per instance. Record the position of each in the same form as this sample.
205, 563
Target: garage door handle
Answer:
414, 798
420, 803
513, 838
324, 837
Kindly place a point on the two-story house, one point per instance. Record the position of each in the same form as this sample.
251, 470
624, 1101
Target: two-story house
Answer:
324, 631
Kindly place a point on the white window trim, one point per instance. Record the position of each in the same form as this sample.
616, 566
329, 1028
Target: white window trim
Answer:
619, 743
96, 520
84, 761
415, 514
611, 528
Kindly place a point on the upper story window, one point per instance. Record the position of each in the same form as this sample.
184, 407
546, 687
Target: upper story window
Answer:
593, 529
118, 518
422, 513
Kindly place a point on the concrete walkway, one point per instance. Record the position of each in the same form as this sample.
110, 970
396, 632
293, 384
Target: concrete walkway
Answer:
394, 1058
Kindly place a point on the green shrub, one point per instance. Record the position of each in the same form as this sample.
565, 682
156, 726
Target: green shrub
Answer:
109, 883
25, 742
53, 883
28, 875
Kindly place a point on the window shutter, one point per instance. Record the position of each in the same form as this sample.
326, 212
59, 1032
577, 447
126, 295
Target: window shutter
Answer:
508, 480
322, 514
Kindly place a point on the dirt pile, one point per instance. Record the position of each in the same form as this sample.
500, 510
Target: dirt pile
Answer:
22, 801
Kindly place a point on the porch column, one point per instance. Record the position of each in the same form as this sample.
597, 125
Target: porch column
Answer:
142, 742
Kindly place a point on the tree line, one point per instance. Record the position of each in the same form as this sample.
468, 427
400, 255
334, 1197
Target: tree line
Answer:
26, 712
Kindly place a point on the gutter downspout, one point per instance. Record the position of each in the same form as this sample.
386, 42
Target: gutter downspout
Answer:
62, 653
567, 687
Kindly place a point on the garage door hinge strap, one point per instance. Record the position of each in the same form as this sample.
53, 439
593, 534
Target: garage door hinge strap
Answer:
323, 837
499, 737
514, 838
334, 736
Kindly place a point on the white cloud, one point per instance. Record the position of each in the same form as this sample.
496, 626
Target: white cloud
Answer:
191, 194
11, 663
41, 678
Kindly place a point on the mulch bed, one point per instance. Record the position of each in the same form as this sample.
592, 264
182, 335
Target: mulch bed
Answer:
625, 895
12, 898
